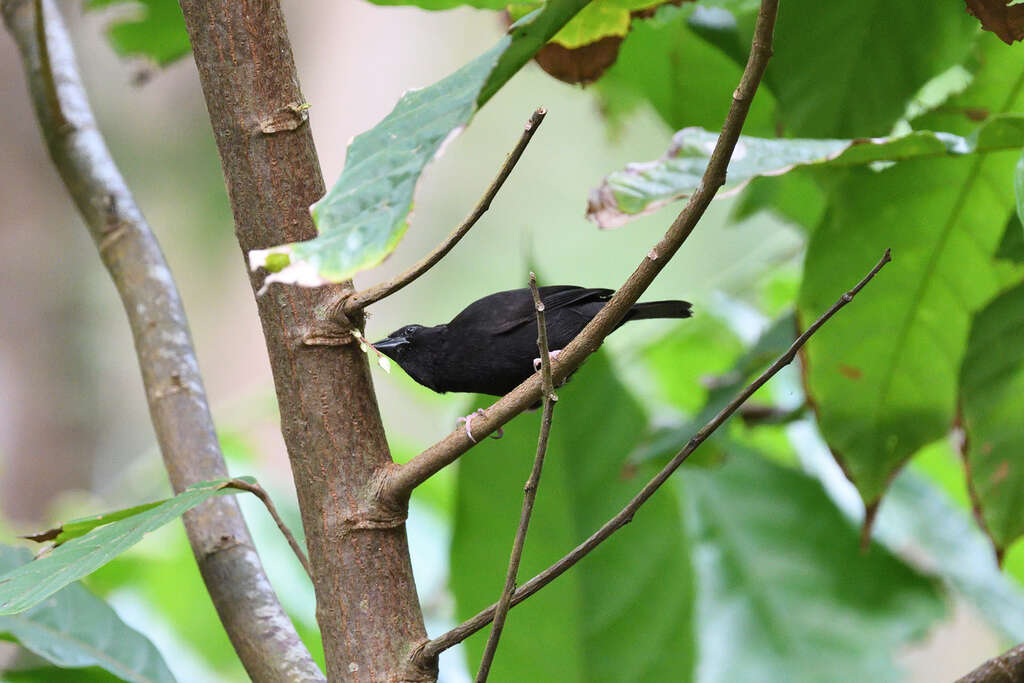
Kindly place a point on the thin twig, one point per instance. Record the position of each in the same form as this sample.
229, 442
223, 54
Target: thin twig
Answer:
398, 482
529, 490
360, 300
262, 494
434, 647
178, 407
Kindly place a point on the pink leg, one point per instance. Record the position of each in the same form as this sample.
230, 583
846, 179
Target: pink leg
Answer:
553, 355
469, 422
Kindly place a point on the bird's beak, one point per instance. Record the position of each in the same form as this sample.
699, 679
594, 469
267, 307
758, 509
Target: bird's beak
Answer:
389, 344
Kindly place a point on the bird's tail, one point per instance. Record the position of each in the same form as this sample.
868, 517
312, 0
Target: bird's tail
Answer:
660, 309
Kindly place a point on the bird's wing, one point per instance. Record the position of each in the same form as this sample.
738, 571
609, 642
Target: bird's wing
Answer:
554, 298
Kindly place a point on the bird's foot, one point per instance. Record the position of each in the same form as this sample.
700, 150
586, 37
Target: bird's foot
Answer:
469, 422
552, 355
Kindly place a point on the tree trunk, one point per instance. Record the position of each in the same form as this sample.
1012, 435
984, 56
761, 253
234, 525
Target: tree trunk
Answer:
367, 606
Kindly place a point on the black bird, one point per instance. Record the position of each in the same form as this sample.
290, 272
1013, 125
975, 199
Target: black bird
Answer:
490, 347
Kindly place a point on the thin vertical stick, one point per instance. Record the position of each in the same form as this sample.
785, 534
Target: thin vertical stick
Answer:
529, 490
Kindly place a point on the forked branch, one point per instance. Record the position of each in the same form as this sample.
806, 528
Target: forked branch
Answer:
399, 481
364, 298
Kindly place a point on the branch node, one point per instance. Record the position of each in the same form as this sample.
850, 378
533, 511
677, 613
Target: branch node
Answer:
112, 237
289, 117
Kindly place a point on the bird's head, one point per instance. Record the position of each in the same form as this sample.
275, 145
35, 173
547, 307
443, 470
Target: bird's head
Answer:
400, 343
414, 348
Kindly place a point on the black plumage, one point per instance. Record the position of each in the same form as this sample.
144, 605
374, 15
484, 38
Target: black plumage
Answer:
489, 347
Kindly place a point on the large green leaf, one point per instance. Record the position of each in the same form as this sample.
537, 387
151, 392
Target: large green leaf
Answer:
784, 593
637, 585
157, 29
643, 188
992, 399
883, 375
32, 583
848, 69
664, 61
363, 216
75, 629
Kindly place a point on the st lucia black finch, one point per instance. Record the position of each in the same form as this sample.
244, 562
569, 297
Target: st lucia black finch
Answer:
491, 346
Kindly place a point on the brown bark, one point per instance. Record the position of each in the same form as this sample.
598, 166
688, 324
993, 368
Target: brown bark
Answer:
1006, 668
367, 607
260, 631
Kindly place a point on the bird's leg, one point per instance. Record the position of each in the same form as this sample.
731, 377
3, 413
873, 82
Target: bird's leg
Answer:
469, 421
552, 355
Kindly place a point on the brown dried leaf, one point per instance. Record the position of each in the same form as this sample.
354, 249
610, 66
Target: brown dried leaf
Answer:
999, 17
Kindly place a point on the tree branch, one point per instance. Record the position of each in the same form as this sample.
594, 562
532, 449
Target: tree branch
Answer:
1006, 668
367, 608
399, 481
267, 644
264, 497
529, 490
432, 648
360, 300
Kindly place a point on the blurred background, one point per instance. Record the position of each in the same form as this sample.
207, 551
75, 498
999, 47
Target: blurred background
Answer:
75, 436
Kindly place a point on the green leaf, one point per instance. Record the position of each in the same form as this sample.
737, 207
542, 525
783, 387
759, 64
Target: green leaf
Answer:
794, 197
638, 583
32, 583
1011, 247
52, 674
80, 527
784, 593
883, 374
363, 217
849, 69
156, 29
599, 19
665, 62
992, 384
75, 629
1018, 186
642, 188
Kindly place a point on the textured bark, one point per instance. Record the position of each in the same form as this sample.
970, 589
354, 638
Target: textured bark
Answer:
1006, 668
260, 630
367, 606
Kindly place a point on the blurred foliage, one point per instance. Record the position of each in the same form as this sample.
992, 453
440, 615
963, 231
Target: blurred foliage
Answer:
663, 59
77, 553
153, 28
784, 592
992, 385
75, 629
